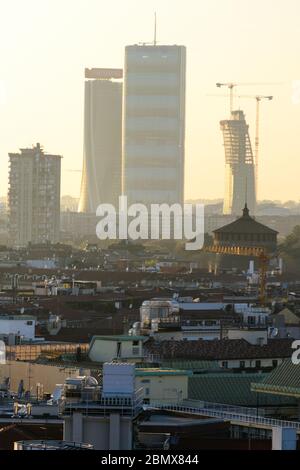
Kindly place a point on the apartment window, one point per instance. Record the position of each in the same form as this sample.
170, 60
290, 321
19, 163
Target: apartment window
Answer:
135, 343
29, 323
257, 364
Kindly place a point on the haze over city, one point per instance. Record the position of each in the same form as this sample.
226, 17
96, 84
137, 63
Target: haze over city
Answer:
42, 78
149, 229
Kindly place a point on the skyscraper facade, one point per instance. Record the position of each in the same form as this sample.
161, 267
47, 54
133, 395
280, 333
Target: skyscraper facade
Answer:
102, 159
34, 197
154, 124
239, 165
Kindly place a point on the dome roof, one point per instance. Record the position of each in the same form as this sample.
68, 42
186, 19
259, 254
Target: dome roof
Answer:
245, 224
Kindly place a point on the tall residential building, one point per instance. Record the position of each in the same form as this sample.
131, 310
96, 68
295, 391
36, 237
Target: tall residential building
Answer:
102, 156
239, 165
154, 124
34, 197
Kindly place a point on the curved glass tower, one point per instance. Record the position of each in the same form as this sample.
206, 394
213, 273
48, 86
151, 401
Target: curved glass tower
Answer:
239, 165
102, 158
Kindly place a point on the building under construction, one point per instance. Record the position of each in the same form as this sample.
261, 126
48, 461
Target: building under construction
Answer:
239, 165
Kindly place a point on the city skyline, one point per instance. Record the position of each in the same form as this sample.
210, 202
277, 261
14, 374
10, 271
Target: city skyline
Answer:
42, 93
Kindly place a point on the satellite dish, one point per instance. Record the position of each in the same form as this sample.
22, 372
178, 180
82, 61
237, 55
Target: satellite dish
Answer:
273, 332
91, 382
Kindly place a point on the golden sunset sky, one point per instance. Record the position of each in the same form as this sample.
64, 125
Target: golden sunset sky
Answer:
46, 44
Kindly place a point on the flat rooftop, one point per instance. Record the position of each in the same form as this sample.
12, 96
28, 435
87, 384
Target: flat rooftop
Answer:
119, 338
16, 317
140, 372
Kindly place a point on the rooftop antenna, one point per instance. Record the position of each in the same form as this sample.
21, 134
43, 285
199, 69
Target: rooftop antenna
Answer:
246, 210
155, 29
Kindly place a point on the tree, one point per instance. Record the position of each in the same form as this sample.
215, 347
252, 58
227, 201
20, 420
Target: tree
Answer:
290, 249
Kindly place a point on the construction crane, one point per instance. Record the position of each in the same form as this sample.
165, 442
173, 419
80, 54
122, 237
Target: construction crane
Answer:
258, 99
257, 252
231, 87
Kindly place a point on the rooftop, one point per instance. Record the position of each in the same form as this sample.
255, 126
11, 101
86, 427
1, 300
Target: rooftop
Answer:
289, 317
231, 389
118, 338
225, 349
157, 372
53, 445
284, 380
17, 317
245, 224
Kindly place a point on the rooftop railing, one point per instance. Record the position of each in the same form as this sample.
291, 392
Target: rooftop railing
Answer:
125, 405
216, 410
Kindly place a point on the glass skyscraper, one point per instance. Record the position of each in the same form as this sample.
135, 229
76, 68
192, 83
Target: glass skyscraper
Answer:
102, 159
154, 124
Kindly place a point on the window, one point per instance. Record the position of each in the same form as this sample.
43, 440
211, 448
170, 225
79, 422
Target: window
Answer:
29, 323
145, 381
147, 391
275, 363
242, 364
257, 364
135, 343
135, 350
225, 364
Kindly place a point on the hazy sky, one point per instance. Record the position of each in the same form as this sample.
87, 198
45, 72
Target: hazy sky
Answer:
46, 44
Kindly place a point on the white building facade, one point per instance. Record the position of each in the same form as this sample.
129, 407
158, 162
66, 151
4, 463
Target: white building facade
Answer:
154, 124
22, 326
